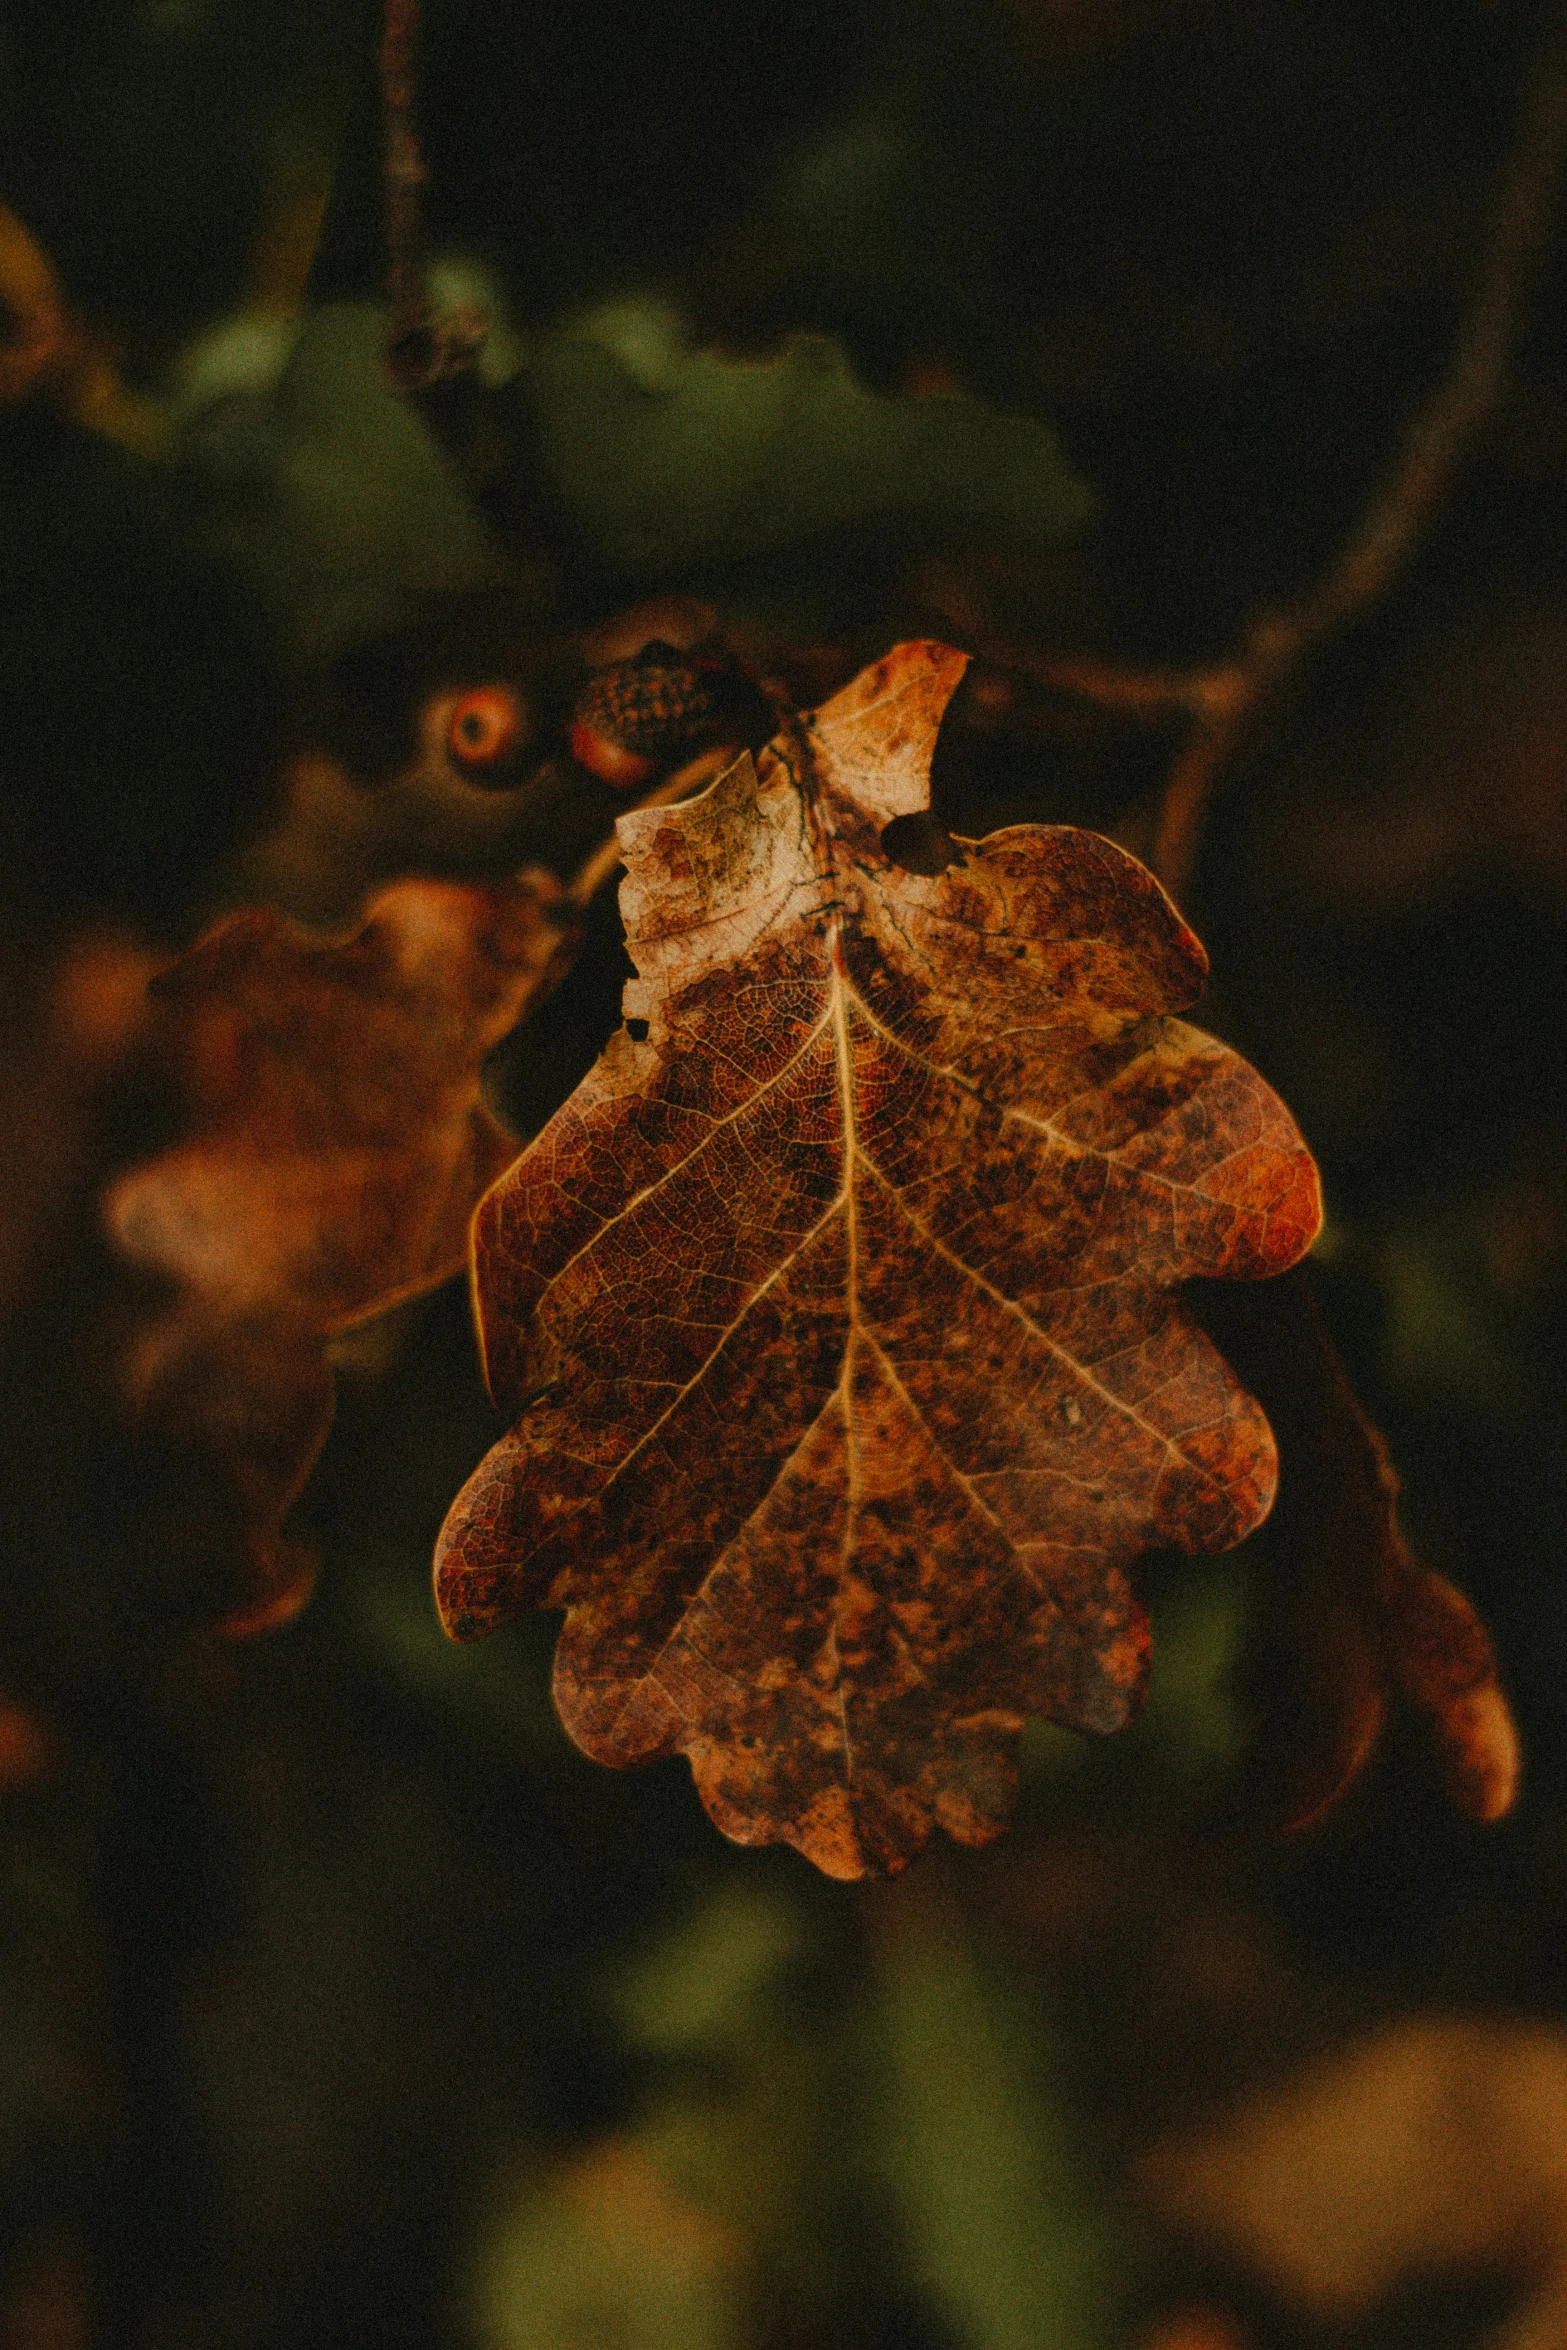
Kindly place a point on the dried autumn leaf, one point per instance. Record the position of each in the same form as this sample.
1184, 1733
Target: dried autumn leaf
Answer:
332, 1144
1365, 1621
838, 1301
334, 1140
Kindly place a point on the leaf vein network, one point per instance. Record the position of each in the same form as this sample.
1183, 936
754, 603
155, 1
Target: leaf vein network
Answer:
1010, 1306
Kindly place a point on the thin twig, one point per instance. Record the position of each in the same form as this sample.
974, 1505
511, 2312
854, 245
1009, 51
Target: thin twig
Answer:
1228, 701
403, 177
1146, 696
1142, 696
422, 346
1436, 446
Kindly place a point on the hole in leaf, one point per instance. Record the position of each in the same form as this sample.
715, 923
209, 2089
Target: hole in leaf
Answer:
637, 1031
919, 844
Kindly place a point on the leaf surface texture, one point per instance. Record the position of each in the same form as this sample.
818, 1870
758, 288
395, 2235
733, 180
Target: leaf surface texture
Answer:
839, 1307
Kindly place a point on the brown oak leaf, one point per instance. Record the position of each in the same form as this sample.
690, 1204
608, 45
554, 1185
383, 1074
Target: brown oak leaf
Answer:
334, 1140
1357, 1622
838, 1303
331, 1145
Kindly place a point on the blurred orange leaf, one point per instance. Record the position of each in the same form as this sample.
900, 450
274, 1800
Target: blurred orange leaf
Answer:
838, 1301
334, 1140
331, 1144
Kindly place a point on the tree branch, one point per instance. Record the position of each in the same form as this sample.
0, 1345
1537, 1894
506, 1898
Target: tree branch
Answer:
423, 347
1229, 701
403, 175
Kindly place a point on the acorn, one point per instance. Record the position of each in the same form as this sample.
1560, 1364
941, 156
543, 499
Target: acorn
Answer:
661, 707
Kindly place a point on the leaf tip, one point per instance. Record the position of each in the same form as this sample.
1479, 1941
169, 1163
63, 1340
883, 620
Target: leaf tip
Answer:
827, 1836
1481, 1753
286, 1582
